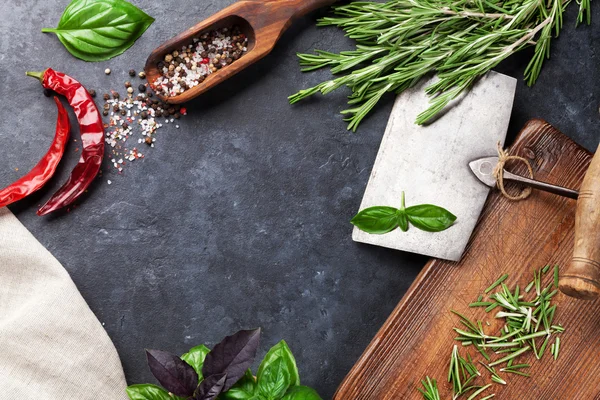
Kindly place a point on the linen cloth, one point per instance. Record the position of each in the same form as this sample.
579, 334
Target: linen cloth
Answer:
51, 344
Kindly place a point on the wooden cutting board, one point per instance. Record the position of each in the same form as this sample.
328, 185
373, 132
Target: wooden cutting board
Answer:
513, 238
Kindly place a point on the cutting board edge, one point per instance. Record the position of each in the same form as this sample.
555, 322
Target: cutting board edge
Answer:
429, 266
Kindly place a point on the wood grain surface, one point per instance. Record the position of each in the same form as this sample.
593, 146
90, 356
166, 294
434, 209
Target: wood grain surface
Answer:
513, 238
262, 21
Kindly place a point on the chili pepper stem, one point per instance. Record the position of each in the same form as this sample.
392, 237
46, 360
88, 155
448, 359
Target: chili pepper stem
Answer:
38, 75
48, 30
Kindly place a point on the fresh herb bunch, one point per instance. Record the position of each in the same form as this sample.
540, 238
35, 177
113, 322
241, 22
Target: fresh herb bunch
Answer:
223, 373
383, 219
528, 329
401, 41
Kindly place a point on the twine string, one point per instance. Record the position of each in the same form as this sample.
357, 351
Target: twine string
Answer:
503, 159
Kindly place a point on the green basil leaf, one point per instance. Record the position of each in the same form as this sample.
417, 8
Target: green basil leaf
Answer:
430, 218
402, 220
377, 220
97, 30
149, 392
195, 357
301, 393
277, 372
243, 390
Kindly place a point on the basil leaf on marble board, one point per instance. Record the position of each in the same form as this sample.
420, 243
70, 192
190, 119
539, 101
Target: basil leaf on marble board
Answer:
195, 357
301, 393
232, 356
98, 30
377, 220
402, 220
430, 218
211, 387
174, 374
149, 392
244, 389
277, 372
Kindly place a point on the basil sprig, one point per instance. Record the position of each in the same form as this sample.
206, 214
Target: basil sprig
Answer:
223, 373
383, 219
97, 30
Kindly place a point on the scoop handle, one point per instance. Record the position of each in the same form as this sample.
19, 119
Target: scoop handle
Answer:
582, 277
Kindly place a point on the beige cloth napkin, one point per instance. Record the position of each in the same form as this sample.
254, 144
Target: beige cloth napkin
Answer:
51, 344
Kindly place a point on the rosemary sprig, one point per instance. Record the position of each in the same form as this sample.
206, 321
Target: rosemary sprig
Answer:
401, 41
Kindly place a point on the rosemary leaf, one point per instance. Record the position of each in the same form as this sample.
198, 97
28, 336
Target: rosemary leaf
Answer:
478, 391
510, 356
498, 282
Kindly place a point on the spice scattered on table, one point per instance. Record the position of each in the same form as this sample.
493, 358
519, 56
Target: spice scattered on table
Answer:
188, 67
136, 116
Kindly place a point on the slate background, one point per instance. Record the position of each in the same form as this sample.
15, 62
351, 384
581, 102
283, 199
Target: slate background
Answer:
240, 218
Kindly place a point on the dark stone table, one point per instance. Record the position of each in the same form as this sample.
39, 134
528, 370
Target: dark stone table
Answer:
240, 218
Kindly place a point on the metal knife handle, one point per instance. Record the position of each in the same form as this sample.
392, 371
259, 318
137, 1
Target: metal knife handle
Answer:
582, 277
546, 187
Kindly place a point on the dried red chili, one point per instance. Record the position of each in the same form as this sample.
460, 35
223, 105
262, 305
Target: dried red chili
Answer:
45, 168
92, 137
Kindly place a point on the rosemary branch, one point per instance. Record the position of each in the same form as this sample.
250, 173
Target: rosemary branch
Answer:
399, 42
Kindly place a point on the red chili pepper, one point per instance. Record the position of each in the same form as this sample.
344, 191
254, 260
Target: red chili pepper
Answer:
92, 137
45, 168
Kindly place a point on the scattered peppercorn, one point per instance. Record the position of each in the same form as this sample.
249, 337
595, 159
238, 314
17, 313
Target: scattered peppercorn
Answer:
142, 74
127, 84
148, 140
92, 92
105, 113
183, 69
131, 72
130, 90
106, 96
142, 88
144, 115
107, 71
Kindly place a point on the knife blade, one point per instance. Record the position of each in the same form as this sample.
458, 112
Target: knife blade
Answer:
483, 168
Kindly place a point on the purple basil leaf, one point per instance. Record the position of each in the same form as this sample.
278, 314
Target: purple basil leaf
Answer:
233, 356
211, 387
174, 374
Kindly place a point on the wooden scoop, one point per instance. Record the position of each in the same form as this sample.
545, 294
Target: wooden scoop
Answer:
582, 278
262, 21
